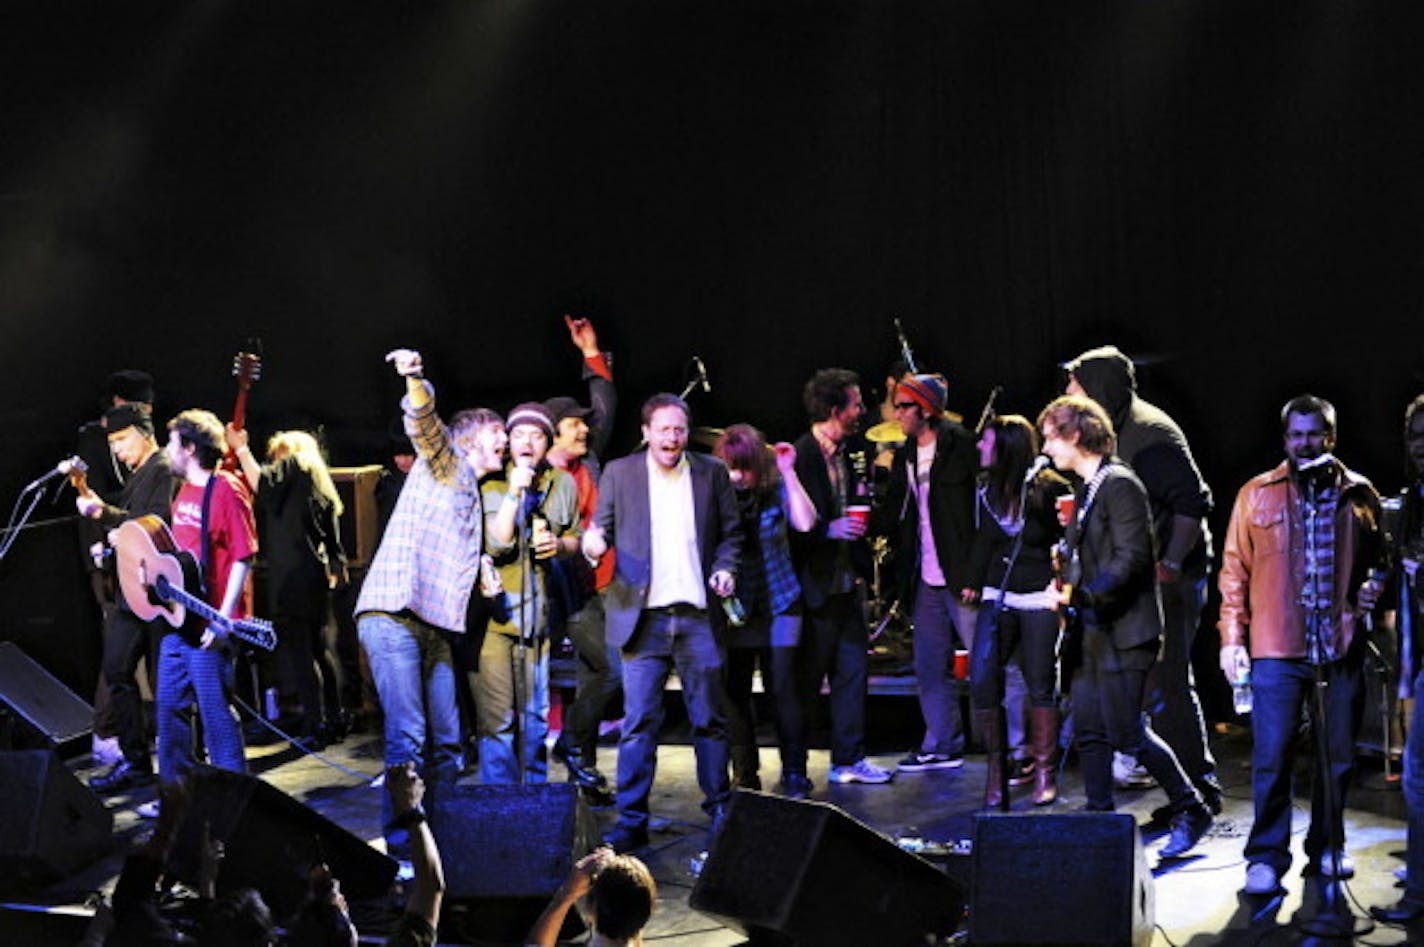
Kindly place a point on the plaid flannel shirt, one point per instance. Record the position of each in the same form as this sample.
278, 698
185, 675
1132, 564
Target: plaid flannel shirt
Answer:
429, 558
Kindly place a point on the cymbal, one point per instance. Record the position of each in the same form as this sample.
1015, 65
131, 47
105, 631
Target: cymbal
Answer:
706, 436
886, 432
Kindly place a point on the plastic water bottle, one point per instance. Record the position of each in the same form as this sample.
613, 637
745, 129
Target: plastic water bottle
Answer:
1241, 694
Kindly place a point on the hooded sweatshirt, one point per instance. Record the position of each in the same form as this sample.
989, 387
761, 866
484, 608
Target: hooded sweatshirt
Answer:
1152, 444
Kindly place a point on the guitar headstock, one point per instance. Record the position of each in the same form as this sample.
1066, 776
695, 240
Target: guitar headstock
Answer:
78, 474
247, 368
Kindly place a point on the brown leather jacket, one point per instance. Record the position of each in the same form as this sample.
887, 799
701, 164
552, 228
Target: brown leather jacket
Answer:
1263, 569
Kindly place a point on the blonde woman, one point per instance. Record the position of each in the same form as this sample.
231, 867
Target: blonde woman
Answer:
297, 512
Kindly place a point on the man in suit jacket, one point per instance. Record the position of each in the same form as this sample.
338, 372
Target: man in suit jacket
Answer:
1115, 592
671, 517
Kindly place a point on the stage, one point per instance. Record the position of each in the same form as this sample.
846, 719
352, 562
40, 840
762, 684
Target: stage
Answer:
1197, 899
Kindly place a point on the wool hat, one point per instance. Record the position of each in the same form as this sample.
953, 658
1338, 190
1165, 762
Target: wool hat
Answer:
563, 406
531, 412
128, 415
130, 385
928, 391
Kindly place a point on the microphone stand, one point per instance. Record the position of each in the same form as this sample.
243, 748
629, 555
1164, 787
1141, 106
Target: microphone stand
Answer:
1333, 919
525, 526
19, 518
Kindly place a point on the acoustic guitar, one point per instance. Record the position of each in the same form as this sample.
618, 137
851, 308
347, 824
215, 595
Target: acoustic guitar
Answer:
154, 575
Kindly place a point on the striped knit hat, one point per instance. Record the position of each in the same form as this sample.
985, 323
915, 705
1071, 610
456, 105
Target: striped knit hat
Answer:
531, 412
927, 391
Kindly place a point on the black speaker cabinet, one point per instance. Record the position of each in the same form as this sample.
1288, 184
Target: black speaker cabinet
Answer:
50, 824
39, 711
1074, 878
271, 841
506, 850
786, 871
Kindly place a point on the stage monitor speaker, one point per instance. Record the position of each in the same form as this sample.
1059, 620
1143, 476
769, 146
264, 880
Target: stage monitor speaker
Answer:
50, 824
360, 521
506, 850
784, 871
270, 842
1074, 878
42, 713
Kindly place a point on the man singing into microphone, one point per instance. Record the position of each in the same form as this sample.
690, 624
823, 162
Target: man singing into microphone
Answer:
1294, 586
531, 516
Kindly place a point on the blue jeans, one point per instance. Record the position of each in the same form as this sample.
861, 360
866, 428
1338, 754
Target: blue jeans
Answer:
415, 680
494, 699
1414, 796
682, 637
1280, 688
938, 615
188, 675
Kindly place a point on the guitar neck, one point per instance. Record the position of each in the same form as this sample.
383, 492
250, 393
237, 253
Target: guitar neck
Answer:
254, 631
239, 408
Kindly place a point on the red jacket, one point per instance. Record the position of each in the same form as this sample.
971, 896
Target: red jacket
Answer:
1263, 569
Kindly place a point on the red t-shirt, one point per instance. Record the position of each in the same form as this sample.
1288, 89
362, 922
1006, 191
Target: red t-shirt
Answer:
230, 524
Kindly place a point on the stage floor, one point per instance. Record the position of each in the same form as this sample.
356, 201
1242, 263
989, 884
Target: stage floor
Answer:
1197, 898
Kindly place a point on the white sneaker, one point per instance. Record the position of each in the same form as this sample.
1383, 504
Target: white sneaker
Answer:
1261, 879
1130, 774
148, 810
861, 771
104, 751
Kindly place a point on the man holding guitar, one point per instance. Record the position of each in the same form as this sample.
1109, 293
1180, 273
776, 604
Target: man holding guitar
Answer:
213, 521
148, 490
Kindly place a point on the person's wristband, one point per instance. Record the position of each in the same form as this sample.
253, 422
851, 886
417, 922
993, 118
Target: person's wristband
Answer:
408, 819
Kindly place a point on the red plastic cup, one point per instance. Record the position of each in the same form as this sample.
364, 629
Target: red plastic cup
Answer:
859, 512
961, 665
1065, 505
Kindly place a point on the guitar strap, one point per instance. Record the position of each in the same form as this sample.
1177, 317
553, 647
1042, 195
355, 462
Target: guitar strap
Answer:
207, 549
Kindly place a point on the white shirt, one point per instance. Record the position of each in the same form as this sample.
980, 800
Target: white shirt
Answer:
676, 562
930, 571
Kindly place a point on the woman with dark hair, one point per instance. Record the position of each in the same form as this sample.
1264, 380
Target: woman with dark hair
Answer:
766, 629
1016, 525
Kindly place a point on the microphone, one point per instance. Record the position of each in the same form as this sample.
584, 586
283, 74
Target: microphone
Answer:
1039, 465
60, 469
702, 374
529, 496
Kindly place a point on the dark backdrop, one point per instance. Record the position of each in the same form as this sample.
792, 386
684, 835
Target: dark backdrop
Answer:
1228, 190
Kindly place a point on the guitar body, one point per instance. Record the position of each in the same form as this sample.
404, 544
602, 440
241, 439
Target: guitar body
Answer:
154, 576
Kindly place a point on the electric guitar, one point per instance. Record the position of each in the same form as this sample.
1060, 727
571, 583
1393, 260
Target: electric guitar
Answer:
154, 575
247, 369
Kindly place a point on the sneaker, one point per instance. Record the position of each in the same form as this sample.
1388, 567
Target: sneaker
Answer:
148, 810
1021, 771
104, 751
1328, 866
122, 775
917, 762
1261, 879
861, 771
1188, 827
1129, 774
795, 785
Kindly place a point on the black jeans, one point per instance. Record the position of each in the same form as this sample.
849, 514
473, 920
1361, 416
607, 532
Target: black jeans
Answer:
833, 643
126, 640
1107, 710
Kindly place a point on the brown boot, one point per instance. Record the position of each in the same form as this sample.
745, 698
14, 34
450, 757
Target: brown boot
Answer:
1043, 742
990, 724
